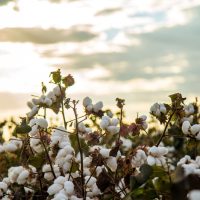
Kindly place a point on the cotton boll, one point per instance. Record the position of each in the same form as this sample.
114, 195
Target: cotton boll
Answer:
95, 190
98, 106
33, 112
42, 123
55, 188
113, 129
52, 96
87, 101
143, 117
87, 161
32, 122
60, 196
151, 160
30, 104
66, 166
104, 124
198, 136
90, 180
193, 195
36, 101
81, 127
69, 187
57, 91
112, 163
48, 102
163, 108
185, 127
114, 122
22, 178
60, 180
162, 151
154, 151
3, 186
104, 152
9, 147
99, 170
195, 129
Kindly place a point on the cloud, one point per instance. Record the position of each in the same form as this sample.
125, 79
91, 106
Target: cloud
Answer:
44, 36
108, 11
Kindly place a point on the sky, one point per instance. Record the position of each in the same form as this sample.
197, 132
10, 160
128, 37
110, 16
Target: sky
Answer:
140, 50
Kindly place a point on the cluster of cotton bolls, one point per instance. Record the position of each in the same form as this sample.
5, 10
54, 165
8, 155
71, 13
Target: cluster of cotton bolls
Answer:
139, 158
22, 175
156, 156
48, 174
110, 124
189, 165
158, 109
193, 131
36, 125
44, 101
64, 157
59, 137
62, 188
12, 145
87, 103
91, 186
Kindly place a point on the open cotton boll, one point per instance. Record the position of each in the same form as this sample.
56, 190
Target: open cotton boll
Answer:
90, 181
81, 127
185, 159
114, 122
87, 101
104, 152
55, 188
189, 109
52, 96
36, 101
42, 123
193, 195
89, 108
113, 129
33, 112
30, 104
10, 147
69, 187
60, 180
195, 129
112, 163
60, 196
98, 106
154, 151
162, 151
151, 160
163, 108
186, 127
104, 124
57, 91
48, 101
23, 176
32, 122
87, 161
3, 186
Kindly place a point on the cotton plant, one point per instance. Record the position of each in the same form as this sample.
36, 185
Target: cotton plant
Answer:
100, 154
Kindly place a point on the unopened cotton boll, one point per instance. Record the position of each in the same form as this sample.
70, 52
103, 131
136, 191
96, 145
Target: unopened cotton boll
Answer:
87, 101
112, 163
69, 187
98, 106
55, 188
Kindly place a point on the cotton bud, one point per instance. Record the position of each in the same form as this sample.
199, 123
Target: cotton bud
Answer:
90, 181
87, 101
186, 127
98, 106
112, 163
69, 187
55, 188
